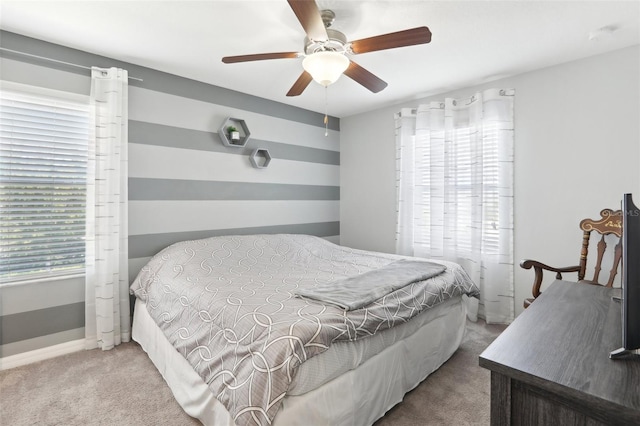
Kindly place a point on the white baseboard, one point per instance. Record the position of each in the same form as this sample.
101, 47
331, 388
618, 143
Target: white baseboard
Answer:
41, 354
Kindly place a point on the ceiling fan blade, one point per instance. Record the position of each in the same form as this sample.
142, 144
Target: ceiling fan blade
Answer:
308, 14
364, 77
419, 35
259, 57
301, 83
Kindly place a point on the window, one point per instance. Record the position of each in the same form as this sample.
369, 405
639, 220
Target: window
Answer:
43, 173
476, 174
472, 174
455, 190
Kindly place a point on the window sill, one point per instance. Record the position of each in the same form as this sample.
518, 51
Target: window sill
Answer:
41, 279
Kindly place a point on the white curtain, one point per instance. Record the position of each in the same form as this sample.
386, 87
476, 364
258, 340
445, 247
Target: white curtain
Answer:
107, 318
455, 191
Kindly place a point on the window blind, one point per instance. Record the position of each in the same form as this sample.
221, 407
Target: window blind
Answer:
471, 189
491, 189
475, 194
43, 173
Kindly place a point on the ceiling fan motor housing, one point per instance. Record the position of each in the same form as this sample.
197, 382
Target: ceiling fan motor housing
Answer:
336, 42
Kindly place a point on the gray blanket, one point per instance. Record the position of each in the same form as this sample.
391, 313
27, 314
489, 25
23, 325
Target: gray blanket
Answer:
355, 292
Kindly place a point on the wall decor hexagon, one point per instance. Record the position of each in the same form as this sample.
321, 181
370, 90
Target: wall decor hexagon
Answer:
242, 135
260, 158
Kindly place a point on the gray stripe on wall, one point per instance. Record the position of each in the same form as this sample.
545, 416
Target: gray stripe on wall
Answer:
135, 265
35, 343
176, 137
150, 244
41, 322
181, 189
157, 80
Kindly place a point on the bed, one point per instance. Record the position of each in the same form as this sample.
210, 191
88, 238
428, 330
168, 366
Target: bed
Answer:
248, 330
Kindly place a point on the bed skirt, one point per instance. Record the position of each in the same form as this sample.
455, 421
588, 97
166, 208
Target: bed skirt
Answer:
357, 397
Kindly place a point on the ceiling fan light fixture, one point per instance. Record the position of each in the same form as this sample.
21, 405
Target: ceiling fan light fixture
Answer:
325, 67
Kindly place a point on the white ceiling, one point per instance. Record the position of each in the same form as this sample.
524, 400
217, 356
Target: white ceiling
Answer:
473, 41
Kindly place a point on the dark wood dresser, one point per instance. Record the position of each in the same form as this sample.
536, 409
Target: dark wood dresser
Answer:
551, 366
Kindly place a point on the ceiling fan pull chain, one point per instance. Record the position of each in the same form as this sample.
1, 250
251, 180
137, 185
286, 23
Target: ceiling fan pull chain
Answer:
326, 116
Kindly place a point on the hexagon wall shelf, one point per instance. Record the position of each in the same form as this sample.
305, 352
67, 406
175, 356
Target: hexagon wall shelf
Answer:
260, 158
243, 130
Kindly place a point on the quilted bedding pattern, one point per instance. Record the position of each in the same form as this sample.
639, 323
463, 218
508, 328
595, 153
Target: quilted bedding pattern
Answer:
227, 304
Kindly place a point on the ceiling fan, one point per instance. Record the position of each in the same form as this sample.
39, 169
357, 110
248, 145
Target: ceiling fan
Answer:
326, 49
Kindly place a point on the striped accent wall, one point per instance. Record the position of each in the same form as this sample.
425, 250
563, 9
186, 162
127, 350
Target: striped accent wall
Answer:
183, 182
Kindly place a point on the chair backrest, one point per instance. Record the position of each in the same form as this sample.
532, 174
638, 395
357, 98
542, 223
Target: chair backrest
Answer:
609, 224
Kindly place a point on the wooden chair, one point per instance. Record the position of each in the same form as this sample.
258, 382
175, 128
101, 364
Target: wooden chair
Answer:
610, 223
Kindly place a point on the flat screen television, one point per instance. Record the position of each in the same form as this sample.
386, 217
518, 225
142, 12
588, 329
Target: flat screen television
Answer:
630, 281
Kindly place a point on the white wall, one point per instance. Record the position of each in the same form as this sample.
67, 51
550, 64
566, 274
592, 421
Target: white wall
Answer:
577, 150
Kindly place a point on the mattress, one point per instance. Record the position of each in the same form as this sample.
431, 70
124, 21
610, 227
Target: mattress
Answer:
343, 385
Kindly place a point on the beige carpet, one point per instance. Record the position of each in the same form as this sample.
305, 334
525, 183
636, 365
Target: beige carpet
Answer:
65, 391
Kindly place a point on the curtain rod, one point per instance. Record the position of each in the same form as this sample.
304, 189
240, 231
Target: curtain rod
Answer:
55, 60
